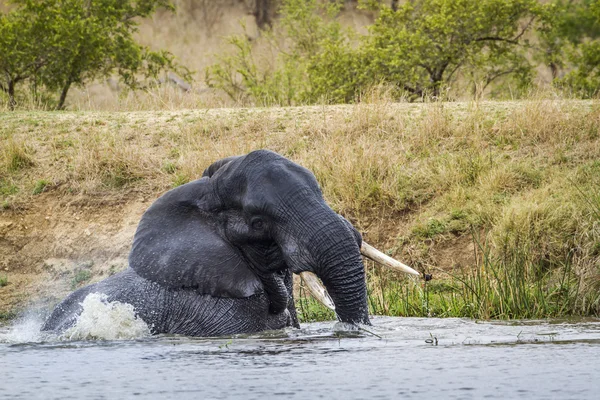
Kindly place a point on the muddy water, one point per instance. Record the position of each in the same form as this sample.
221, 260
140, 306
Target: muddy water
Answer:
409, 358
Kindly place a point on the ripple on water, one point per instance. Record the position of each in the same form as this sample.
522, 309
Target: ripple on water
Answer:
472, 360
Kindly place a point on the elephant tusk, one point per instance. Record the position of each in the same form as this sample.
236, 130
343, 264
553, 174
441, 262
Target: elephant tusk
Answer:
317, 290
315, 287
371, 252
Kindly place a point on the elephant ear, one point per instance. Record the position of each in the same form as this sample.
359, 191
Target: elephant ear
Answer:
214, 167
177, 245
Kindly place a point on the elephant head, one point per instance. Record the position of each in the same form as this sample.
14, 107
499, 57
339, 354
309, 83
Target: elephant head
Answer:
238, 231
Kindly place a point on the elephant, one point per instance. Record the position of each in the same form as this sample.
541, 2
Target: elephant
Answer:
216, 256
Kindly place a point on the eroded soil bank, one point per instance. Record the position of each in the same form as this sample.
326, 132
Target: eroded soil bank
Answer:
51, 247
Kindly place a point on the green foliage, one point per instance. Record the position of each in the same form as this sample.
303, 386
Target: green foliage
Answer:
584, 79
420, 49
312, 60
305, 29
40, 186
424, 45
337, 72
244, 78
53, 44
570, 40
81, 275
3, 281
565, 25
430, 229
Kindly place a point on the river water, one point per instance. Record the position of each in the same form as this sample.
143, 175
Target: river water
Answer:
407, 358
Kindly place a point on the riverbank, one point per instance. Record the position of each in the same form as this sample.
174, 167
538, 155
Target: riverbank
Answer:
500, 201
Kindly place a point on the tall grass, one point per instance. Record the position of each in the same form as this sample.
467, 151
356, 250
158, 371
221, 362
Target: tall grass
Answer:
495, 288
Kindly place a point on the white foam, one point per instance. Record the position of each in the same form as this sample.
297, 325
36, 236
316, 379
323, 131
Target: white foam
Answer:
107, 320
24, 330
345, 327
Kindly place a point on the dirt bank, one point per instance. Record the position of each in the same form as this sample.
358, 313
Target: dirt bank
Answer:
54, 245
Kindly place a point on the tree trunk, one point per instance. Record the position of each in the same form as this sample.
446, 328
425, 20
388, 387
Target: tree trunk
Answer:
11, 95
394, 5
437, 78
436, 91
262, 13
554, 70
63, 95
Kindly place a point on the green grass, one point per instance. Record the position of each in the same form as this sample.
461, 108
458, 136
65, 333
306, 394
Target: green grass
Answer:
8, 188
309, 309
3, 280
15, 155
499, 287
40, 186
80, 276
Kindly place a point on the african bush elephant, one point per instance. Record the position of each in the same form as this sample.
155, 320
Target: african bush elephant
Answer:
215, 256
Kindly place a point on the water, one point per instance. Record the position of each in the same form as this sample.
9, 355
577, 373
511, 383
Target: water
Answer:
472, 360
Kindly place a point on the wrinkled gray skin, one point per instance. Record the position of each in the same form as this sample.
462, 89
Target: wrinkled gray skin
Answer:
216, 256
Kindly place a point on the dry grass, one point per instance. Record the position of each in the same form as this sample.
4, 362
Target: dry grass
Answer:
414, 178
14, 156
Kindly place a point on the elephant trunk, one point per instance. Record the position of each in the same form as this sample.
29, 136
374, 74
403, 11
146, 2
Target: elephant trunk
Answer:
336, 259
349, 296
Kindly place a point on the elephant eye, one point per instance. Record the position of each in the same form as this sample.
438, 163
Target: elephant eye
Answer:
257, 224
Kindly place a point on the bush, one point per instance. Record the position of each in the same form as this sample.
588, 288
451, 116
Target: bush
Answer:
285, 75
420, 48
54, 44
570, 40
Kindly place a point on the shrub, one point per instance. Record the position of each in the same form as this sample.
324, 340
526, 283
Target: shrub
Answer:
54, 44
305, 28
420, 48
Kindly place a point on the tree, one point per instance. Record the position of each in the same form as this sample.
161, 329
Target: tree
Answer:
571, 44
419, 48
25, 48
305, 28
59, 43
567, 25
423, 45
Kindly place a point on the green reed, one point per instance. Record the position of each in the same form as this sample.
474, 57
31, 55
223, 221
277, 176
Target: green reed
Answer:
507, 286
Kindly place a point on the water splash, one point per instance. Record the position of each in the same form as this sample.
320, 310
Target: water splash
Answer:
103, 319
25, 330
100, 319
345, 327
